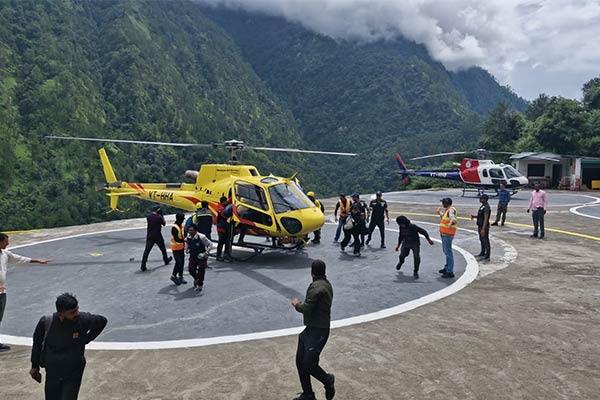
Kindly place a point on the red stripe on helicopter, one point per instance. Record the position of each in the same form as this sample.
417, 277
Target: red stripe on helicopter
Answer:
469, 171
137, 187
242, 220
192, 199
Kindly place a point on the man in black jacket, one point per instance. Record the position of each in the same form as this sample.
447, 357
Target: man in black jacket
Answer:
154, 236
408, 238
59, 346
317, 318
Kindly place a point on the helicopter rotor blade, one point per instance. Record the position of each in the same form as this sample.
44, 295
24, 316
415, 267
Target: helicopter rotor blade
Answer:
453, 153
333, 153
129, 141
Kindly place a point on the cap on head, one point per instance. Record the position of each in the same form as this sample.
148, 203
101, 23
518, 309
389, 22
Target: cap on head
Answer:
342, 194
355, 195
310, 194
378, 193
317, 268
222, 199
446, 200
156, 208
484, 196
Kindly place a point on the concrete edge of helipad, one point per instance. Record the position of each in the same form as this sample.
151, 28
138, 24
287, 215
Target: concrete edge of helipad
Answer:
470, 274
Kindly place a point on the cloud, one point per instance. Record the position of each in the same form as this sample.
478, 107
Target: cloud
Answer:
502, 36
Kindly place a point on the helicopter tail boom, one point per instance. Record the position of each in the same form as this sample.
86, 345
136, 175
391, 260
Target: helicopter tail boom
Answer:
403, 169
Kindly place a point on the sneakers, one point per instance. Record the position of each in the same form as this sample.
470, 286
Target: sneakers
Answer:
168, 260
495, 223
416, 275
175, 280
533, 236
316, 241
542, 236
398, 266
343, 248
383, 246
356, 254
330, 388
182, 281
4, 347
442, 271
448, 275
143, 268
306, 396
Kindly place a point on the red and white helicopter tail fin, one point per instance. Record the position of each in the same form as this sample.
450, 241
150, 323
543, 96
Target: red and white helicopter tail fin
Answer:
403, 169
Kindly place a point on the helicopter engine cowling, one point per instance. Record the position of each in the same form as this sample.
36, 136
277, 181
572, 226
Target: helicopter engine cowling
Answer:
191, 174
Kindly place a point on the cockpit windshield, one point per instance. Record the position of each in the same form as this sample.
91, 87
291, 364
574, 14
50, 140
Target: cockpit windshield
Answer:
285, 198
510, 172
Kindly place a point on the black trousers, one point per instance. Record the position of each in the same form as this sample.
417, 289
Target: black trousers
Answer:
197, 269
379, 224
405, 250
354, 233
310, 345
484, 240
179, 256
150, 242
225, 239
538, 221
63, 388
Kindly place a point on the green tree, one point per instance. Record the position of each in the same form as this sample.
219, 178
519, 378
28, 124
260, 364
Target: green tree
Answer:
591, 94
561, 126
501, 129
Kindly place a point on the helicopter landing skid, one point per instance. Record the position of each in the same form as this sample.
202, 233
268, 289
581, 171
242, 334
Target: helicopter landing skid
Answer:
259, 248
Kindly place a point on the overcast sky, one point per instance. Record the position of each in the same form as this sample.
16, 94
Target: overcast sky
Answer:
536, 46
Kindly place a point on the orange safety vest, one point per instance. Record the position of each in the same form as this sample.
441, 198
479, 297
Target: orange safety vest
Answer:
176, 246
447, 228
344, 207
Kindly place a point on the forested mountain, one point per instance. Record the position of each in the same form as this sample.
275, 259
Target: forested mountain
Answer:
175, 71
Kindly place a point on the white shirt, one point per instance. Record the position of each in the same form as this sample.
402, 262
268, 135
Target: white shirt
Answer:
6, 257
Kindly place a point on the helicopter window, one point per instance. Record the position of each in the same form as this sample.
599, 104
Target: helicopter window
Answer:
510, 172
253, 172
251, 194
254, 215
285, 199
485, 174
269, 180
496, 173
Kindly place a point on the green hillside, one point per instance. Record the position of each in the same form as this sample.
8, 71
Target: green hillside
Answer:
175, 71
133, 70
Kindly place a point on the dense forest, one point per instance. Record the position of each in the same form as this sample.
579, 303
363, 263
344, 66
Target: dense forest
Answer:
176, 71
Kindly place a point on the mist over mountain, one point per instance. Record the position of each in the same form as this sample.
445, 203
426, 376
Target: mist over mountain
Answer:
178, 71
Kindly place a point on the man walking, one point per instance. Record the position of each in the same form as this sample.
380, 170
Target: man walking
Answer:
5, 258
448, 226
408, 237
538, 204
317, 317
202, 218
483, 227
503, 200
178, 249
198, 246
343, 205
59, 344
154, 236
379, 212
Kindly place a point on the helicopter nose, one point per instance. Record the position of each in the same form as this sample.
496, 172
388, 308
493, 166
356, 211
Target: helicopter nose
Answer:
301, 222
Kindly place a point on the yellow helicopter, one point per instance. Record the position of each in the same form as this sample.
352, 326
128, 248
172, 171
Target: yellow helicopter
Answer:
268, 206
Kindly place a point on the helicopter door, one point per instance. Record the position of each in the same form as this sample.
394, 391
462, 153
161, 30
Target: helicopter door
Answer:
252, 205
497, 176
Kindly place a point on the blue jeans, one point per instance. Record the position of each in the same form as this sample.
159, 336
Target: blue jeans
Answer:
447, 247
338, 231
